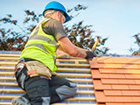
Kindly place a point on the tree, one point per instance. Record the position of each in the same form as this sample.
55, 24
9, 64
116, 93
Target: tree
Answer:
79, 34
137, 37
13, 40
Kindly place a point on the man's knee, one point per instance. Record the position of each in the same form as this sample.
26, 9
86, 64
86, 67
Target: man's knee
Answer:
67, 90
73, 88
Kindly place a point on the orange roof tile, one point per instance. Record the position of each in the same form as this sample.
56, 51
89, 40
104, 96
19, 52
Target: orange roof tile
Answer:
116, 80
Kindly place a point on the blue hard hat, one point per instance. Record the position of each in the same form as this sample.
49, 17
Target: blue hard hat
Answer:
57, 6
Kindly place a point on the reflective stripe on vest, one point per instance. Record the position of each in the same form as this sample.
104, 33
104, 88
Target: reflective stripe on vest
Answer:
44, 38
42, 47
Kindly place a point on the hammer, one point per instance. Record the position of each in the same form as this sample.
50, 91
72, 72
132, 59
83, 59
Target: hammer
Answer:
95, 44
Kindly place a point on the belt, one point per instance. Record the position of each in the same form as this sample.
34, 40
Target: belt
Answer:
26, 59
22, 64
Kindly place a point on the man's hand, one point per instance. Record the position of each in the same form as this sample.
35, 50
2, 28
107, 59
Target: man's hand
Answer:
90, 55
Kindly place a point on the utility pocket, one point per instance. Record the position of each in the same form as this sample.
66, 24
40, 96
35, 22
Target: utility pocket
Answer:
21, 74
36, 68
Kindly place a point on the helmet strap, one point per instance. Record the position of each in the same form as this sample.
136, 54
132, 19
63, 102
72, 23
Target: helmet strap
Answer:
49, 12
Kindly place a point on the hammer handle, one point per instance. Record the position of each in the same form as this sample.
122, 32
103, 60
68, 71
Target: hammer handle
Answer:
95, 44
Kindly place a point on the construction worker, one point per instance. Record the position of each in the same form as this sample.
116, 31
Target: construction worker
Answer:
34, 71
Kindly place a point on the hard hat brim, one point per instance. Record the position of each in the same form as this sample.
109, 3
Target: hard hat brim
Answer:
67, 18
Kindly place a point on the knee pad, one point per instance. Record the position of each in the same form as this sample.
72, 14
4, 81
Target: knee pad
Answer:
67, 90
72, 85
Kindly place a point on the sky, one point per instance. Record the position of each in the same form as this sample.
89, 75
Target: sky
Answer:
118, 20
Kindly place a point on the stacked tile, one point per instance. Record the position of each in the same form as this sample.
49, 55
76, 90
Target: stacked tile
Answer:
116, 80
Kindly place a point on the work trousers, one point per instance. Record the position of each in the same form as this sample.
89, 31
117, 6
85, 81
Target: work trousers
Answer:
42, 91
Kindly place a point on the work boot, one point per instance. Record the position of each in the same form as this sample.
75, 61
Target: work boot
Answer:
20, 101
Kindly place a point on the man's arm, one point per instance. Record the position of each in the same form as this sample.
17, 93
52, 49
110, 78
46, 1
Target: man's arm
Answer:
71, 49
60, 48
54, 27
83, 49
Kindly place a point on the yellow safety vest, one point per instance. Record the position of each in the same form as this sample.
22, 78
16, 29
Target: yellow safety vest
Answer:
41, 46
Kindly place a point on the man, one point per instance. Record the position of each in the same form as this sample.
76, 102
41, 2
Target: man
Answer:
34, 71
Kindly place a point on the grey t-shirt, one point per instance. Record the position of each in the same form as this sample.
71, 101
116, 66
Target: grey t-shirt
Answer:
55, 28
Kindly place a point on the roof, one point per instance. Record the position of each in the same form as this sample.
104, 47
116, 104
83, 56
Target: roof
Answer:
116, 80
106, 80
74, 69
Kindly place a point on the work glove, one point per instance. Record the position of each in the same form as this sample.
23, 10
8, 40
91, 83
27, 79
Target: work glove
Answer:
98, 52
90, 55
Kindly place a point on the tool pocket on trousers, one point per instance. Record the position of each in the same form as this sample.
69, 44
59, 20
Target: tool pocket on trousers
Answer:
36, 68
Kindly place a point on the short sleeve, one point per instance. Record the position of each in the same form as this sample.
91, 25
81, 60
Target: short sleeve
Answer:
55, 28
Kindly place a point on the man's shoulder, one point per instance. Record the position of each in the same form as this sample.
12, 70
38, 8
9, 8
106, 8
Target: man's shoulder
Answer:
53, 21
